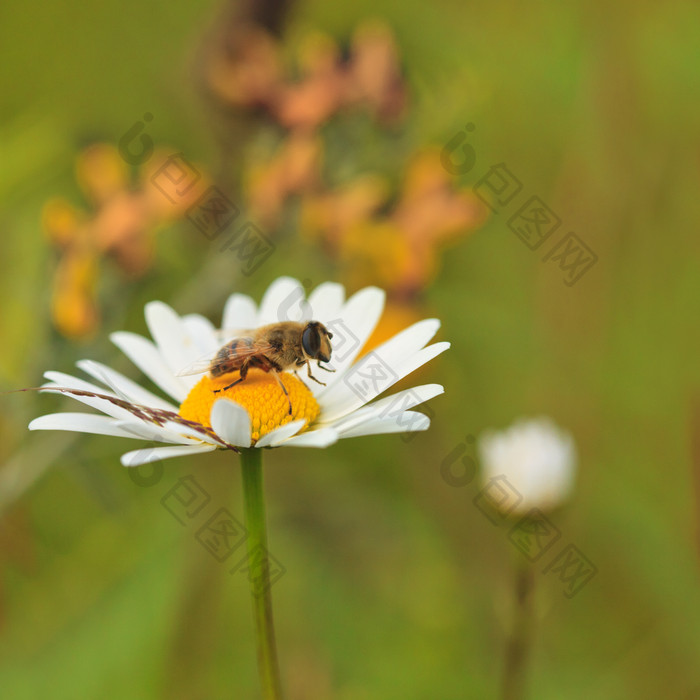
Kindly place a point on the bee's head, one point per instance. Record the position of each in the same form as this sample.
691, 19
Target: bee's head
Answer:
315, 342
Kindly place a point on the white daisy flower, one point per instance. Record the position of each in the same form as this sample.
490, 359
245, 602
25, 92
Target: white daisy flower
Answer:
254, 412
529, 465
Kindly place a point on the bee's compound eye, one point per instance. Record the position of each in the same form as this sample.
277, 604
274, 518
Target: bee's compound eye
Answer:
311, 340
330, 336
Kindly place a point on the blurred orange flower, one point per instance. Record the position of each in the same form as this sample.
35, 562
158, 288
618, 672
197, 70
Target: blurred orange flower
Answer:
248, 71
122, 226
327, 216
397, 248
293, 170
372, 233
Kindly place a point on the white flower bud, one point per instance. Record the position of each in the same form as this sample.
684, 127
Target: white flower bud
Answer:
529, 465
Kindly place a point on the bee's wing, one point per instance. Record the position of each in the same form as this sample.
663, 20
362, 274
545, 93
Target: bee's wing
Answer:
199, 366
205, 363
237, 348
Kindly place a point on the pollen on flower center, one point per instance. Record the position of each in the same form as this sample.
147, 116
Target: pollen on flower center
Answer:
259, 394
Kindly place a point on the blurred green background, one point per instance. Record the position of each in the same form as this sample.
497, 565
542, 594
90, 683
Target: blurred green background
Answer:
396, 586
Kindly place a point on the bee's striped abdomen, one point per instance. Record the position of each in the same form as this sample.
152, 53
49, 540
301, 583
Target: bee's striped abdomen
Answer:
226, 360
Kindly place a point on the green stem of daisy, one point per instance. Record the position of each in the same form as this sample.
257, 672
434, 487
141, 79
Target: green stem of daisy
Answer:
259, 572
519, 643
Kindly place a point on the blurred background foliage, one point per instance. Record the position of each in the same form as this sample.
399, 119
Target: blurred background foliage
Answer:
396, 586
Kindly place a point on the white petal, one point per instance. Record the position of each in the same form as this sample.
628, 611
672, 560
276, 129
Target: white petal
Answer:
420, 358
407, 342
144, 354
124, 387
325, 302
312, 438
283, 301
175, 345
280, 434
231, 422
239, 312
387, 407
154, 454
351, 329
374, 373
144, 430
407, 422
123, 419
80, 423
186, 432
71, 382
60, 379
202, 333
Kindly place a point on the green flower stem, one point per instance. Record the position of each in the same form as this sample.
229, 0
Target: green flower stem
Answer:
520, 641
259, 572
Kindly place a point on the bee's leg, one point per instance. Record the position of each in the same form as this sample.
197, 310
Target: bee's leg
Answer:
228, 386
244, 374
284, 389
311, 376
328, 369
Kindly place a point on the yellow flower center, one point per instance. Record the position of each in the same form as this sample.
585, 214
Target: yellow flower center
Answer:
259, 394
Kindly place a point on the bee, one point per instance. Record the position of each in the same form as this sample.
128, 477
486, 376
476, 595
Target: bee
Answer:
274, 348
